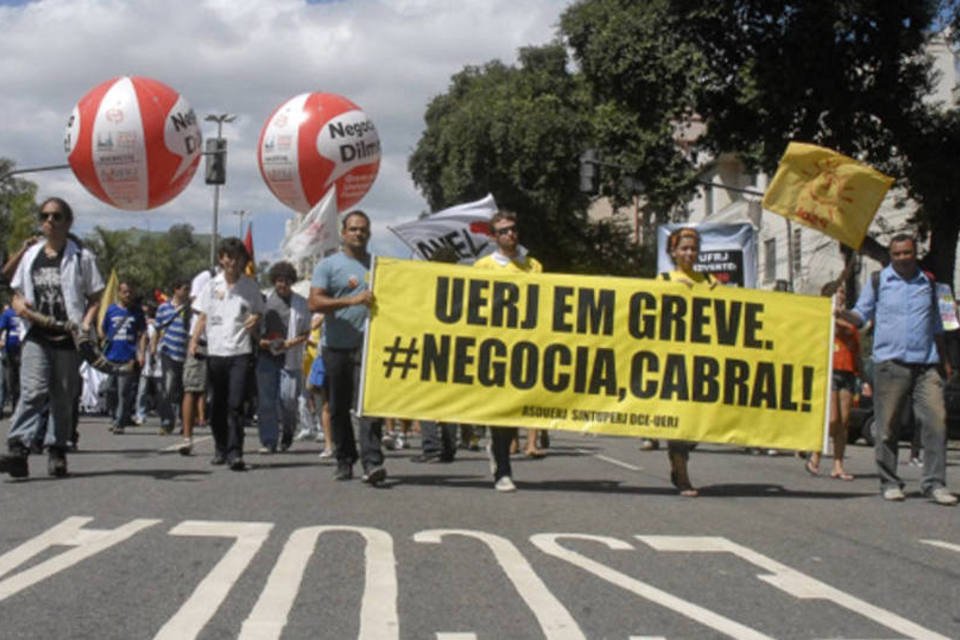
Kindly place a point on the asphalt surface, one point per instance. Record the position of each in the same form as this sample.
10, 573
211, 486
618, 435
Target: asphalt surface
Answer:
140, 542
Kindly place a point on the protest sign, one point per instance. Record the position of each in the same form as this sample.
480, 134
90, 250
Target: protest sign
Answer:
624, 356
728, 252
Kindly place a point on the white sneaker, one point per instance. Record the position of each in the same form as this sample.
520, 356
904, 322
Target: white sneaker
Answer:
942, 496
326, 453
402, 442
505, 484
388, 442
303, 434
894, 494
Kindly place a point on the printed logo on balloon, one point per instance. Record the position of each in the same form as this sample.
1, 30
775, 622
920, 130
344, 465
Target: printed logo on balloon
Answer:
314, 141
133, 142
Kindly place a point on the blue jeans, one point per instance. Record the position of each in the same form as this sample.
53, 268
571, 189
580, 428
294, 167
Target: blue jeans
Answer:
49, 380
895, 384
172, 392
439, 438
125, 386
277, 393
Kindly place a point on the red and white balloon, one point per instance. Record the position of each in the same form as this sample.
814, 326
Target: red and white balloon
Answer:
314, 141
133, 142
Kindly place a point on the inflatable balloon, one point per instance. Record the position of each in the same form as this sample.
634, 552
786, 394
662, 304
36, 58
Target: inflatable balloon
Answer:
133, 142
314, 141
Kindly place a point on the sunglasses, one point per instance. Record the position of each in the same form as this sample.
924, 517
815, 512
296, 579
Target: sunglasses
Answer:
54, 216
505, 230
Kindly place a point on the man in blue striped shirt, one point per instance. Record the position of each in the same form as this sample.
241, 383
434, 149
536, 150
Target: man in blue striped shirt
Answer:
172, 325
907, 348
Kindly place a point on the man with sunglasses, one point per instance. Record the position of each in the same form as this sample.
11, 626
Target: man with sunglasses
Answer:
510, 256
56, 285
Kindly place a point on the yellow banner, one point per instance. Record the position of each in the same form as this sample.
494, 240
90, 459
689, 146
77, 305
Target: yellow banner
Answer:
624, 356
826, 191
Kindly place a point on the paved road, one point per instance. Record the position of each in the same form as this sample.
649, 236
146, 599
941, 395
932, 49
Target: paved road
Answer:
144, 543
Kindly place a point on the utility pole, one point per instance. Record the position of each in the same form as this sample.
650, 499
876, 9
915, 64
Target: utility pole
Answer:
216, 170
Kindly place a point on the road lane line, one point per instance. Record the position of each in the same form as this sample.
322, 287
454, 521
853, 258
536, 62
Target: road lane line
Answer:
203, 603
943, 545
175, 447
547, 542
554, 619
614, 461
456, 636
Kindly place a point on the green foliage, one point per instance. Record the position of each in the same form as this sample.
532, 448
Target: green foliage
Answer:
850, 75
18, 209
149, 260
517, 132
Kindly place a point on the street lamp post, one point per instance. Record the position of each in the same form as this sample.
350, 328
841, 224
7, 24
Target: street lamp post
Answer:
220, 150
242, 213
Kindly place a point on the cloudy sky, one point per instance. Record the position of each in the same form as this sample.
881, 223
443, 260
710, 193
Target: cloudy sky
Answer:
246, 57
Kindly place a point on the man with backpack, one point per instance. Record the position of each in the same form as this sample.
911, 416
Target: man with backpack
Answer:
907, 351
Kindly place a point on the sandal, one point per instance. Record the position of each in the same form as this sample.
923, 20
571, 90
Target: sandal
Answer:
812, 469
842, 475
535, 454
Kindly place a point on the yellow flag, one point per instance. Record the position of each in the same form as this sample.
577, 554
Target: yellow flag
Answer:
108, 297
826, 191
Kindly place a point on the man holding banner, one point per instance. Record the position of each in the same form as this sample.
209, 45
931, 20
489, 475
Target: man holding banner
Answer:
907, 347
340, 290
511, 257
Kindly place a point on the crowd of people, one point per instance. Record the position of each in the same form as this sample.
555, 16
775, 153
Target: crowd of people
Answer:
201, 354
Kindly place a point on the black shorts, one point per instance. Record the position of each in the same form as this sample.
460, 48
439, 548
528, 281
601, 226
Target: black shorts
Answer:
843, 380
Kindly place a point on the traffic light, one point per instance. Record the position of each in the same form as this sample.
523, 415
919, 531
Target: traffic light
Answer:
216, 161
589, 171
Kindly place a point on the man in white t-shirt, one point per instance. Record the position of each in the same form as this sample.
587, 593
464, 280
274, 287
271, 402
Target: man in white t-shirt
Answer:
230, 307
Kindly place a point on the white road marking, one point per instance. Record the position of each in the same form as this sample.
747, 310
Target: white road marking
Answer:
547, 542
791, 581
87, 542
943, 545
456, 636
203, 603
176, 447
614, 461
379, 619
554, 619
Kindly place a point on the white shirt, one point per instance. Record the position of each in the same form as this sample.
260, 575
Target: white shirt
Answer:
227, 309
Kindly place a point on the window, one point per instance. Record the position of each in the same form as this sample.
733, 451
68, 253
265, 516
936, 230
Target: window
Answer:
770, 260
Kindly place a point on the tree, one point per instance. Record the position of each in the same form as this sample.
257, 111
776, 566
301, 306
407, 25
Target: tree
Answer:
517, 132
18, 208
850, 75
147, 260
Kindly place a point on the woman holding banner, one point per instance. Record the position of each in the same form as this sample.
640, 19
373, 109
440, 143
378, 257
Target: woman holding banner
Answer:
683, 245
846, 368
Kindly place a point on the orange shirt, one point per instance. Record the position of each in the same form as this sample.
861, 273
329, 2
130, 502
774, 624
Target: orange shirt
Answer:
846, 349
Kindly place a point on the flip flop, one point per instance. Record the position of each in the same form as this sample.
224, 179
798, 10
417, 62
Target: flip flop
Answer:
535, 454
812, 470
842, 476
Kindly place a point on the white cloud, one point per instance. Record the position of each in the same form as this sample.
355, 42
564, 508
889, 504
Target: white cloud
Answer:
247, 57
